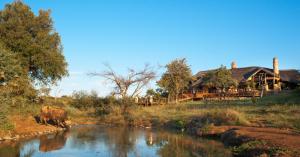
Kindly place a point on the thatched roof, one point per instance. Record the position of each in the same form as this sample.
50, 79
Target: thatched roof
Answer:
242, 74
292, 76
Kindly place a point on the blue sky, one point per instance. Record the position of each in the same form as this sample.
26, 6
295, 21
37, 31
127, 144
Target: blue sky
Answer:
129, 33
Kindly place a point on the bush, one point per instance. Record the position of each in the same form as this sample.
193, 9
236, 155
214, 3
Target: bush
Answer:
225, 117
84, 101
5, 124
177, 124
217, 117
260, 148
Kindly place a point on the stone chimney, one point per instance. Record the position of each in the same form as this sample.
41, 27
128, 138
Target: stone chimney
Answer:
233, 65
276, 80
275, 66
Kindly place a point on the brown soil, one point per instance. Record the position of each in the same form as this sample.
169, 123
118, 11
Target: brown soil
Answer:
28, 125
276, 137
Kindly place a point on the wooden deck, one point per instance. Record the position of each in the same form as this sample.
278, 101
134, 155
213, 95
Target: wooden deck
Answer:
185, 97
205, 95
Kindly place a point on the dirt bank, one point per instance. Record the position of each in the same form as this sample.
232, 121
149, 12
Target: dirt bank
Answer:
255, 141
26, 127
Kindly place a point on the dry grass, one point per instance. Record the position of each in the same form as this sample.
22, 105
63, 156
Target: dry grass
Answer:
264, 112
186, 112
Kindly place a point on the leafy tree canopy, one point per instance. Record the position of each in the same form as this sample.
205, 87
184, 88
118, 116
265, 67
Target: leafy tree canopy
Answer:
220, 78
176, 78
34, 41
9, 66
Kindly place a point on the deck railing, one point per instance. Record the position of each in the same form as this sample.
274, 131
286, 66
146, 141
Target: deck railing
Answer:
204, 95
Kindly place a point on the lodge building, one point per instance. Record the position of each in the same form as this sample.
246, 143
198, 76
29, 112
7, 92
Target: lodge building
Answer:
260, 78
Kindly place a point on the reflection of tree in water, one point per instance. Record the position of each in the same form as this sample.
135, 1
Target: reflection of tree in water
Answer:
14, 149
30, 152
53, 142
10, 151
85, 137
184, 146
121, 141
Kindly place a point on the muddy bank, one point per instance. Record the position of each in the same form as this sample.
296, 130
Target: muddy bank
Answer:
253, 141
25, 128
15, 137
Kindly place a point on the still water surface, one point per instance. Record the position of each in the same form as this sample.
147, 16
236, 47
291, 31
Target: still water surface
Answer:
97, 141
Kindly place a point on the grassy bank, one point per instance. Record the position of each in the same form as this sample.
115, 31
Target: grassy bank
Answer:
276, 111
279, 111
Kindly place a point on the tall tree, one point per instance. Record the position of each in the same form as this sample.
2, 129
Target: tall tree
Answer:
176, 78
34, 41
220, 78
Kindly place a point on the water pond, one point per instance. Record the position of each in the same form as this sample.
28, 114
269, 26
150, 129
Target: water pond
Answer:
99, 141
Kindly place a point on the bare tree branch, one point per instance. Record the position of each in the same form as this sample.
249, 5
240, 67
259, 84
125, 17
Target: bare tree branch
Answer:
134, 79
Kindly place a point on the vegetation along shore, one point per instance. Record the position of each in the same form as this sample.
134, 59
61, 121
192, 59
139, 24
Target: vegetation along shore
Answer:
254, 111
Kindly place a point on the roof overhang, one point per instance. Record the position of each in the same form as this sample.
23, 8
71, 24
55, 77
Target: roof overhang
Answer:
257, 71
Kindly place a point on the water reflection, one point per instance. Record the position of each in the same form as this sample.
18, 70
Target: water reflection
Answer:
53, 142
114, 142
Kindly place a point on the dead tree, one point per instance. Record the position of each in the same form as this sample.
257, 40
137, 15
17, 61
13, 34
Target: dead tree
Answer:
130, 85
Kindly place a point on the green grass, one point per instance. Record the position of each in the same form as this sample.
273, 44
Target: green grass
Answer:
5, 124
280, 111
257, 148
281, 116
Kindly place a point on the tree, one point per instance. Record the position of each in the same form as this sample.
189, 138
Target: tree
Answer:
134, 81
176, 78
34, 42
9, 66
154, 93
12, 80
220, 79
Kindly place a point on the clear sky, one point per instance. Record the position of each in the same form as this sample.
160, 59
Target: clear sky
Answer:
129, 33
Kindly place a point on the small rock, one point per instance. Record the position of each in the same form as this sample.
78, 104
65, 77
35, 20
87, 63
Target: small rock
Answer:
1, 139
17, 136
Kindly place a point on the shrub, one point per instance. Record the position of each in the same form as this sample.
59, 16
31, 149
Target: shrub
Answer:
254, 148
217, 117
224, 117
5, 124
260, 148
84, 101
177, 124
